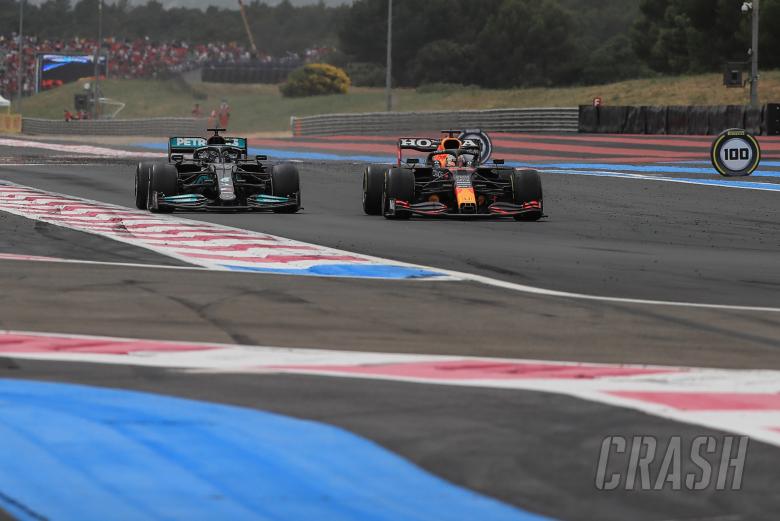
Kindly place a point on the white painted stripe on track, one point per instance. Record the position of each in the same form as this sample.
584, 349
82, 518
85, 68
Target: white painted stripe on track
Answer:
39, 258
532, 290
601, 383
77, 149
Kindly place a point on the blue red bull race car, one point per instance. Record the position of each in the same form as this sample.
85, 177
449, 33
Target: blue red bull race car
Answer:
451, 179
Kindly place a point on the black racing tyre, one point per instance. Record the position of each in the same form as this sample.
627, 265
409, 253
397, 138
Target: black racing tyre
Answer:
163, 179
285, 182
142, 184
399, 184
373, 185
526, 188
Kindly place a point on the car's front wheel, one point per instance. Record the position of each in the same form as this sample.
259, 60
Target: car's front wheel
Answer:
142, 184
399, 185
286, 182
527, 188
373, 186
163, 179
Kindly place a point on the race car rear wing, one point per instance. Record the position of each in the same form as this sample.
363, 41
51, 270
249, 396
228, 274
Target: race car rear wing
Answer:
188, 145
431, 145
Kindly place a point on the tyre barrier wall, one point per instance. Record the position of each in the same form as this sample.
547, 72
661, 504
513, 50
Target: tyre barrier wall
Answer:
499, 120
679, 120
116, 127
239, 74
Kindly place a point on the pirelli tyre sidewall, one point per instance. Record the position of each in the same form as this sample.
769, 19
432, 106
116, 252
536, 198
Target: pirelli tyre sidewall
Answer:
163, 180
286, 182
142, 172
373, 187
527, 187
399, 184
735, 153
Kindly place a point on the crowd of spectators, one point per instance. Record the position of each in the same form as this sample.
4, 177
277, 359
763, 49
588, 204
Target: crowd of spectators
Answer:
141, 58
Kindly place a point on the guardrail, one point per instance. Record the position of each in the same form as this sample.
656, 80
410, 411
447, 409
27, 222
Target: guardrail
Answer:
116, 127
497, 120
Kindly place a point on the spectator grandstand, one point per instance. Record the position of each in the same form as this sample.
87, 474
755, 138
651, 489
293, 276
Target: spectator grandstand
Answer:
130, 59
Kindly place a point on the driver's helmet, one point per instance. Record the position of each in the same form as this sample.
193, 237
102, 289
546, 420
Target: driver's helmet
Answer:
216, 140
449, 143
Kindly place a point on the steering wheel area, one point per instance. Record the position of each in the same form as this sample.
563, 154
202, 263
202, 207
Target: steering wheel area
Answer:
214, 154
455, 153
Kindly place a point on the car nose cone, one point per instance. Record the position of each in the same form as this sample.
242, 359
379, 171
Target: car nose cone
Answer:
227, 192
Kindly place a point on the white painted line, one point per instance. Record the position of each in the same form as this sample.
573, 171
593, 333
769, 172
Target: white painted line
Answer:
38, 258
77, 149
618, 300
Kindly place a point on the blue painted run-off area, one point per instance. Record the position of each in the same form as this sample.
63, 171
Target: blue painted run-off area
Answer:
368, 271
85, 453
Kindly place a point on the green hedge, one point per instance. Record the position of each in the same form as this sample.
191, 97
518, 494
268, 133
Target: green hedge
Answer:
315, 79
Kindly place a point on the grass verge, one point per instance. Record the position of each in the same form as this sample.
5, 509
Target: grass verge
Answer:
260, 108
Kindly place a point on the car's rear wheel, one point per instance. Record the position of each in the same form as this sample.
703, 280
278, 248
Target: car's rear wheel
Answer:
163, 179
527, 188
142, 184
285, 182
373, 185
399, 185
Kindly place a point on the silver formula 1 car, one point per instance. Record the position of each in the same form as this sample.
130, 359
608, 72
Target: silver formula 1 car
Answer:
215, 173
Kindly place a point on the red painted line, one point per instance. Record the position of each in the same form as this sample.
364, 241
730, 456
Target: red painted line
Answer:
486, 370
211, 232
19, 343
92, 222
603, 144
690, 401
629, 139
596, 150
374, 138
69, 207
118, 216
244, 247
272, 259
668, 144
389, 149
164, 236
586, 137
582, 159
181, 227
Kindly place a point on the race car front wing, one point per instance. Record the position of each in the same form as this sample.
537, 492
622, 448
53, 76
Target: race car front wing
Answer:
436, 209
258, 202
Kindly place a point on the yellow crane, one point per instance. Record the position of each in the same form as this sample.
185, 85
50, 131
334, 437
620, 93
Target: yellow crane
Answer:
247, 29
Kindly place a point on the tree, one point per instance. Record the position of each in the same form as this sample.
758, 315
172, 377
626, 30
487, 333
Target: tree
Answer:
689, 36
527, 43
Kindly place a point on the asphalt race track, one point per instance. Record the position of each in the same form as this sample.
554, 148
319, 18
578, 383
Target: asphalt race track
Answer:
626, 236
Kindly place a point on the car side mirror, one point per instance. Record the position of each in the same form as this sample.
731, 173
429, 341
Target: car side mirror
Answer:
177, 158
413, 161
261, 158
